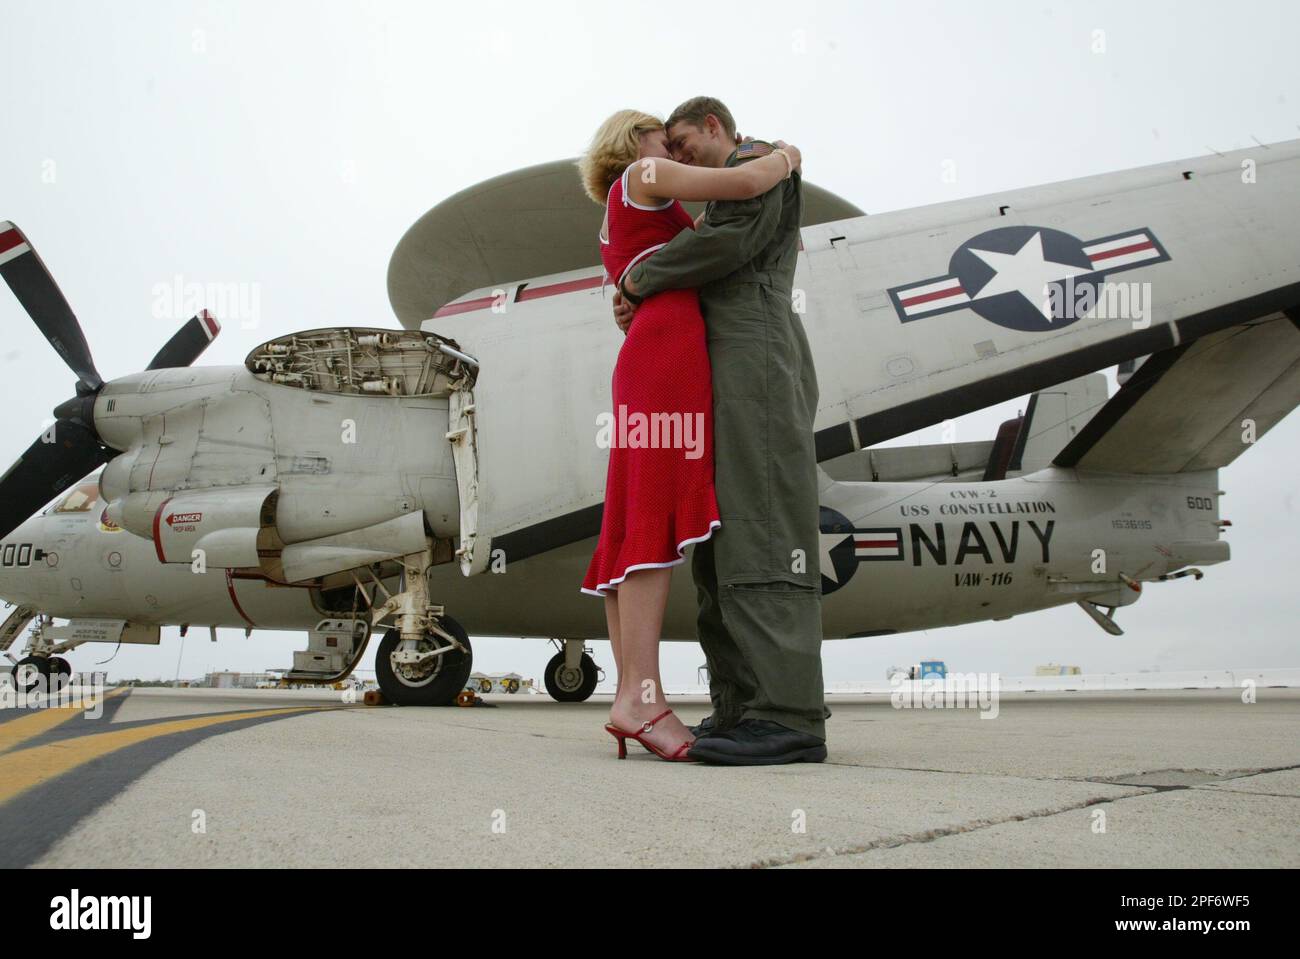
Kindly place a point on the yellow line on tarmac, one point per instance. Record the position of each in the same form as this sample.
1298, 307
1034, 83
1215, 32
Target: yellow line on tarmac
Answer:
44, 718
20, 771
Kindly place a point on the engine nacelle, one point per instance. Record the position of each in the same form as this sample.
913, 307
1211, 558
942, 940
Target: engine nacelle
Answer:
337, 441
224, 526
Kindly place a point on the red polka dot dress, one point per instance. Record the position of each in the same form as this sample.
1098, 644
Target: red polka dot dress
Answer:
659, 494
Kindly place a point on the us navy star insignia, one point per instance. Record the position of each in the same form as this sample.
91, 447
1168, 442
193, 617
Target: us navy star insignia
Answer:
1026, 272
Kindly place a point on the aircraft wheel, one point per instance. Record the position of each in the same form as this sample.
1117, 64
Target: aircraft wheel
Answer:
571, 685
31, 674
438, 684
60, 672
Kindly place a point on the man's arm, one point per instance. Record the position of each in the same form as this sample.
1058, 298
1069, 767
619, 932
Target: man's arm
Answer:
731, 236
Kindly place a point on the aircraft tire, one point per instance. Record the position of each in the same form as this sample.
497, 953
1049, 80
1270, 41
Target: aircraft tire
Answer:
41, 677
60, 672
571, 686
440, 688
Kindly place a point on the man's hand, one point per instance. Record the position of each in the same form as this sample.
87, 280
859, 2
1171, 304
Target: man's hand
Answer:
623, 312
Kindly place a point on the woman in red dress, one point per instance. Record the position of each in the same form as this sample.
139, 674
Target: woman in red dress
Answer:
659, 494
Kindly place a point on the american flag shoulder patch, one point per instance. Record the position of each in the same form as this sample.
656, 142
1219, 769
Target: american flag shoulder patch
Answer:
752, 149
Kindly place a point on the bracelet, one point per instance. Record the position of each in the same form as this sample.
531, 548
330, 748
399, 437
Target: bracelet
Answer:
789, 164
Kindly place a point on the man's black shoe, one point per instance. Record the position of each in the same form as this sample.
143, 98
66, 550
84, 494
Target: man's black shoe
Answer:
705, 728
758, 742
708, 727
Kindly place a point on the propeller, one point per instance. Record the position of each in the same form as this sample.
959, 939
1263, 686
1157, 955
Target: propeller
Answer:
187, 344
43, 300
70, 448
63, 454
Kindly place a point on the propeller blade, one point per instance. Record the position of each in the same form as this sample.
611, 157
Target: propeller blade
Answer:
36, 290
46, 470
188, 343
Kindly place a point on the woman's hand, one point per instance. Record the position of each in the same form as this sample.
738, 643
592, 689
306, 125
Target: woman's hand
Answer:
795, 157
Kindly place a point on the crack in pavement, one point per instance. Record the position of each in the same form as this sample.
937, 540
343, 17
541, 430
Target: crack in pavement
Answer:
930, 835
1134, 779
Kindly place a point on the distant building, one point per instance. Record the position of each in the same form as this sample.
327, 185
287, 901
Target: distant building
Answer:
1055, 669
229, 680
498, 683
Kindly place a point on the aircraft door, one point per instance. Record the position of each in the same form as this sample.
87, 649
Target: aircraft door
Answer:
462, 434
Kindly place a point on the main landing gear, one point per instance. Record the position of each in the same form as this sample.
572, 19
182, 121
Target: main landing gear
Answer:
425, 657
428, 671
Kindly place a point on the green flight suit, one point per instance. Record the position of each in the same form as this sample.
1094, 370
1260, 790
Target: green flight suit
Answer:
758, 578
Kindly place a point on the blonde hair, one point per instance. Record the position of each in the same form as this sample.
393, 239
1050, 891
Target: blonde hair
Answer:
613, 149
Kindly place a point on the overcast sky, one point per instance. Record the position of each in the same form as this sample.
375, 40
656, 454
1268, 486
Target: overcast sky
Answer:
288, 146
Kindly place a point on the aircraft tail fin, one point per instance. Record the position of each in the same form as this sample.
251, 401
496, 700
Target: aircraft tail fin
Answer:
1054, 416
1196, 406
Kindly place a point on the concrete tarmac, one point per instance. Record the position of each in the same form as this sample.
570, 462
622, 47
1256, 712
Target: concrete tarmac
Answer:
190, 777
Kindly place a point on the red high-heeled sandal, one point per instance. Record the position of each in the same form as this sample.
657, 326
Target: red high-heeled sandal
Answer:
622, 735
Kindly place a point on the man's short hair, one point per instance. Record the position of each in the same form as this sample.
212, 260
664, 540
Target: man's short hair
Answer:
696, 109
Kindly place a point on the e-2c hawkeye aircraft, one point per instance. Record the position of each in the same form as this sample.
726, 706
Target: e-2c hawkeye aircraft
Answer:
349, 480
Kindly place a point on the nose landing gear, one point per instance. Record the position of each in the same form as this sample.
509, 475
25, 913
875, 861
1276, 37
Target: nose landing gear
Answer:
572, 675
40, 670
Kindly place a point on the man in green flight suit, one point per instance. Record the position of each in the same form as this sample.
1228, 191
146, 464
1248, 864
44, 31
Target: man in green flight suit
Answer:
758, 579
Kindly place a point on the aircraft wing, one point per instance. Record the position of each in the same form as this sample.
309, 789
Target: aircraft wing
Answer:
923, 315
1197, 406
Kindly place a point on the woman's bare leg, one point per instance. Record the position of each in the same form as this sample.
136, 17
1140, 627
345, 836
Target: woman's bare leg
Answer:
611, 620
642, 597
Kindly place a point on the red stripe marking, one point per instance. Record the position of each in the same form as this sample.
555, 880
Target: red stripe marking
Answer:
230, 588
263, 578
936, 295
1120, 251
157, 531
569, 286
451, 309
554, 289
211, 325
875, 543
10, 239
